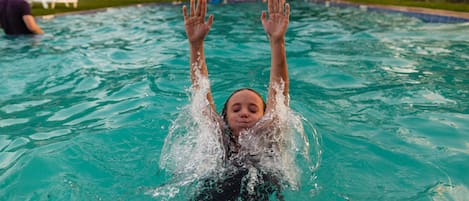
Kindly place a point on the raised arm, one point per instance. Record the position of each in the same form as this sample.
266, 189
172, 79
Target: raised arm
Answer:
275, 26
196, 30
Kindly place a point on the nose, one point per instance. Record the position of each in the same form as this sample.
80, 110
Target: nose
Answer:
244, 113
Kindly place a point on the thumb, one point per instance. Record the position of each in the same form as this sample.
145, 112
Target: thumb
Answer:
263, 17
210, 20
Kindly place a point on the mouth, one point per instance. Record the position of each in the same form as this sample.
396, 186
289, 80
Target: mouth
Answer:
244, 123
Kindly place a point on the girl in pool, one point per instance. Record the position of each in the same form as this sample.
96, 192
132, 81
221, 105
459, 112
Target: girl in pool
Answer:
245, 114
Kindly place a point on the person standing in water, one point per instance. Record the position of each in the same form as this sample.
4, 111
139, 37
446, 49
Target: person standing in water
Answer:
245, 112
16, 18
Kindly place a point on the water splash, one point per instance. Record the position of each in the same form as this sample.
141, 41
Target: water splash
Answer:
193, 146
282, 145
278, 145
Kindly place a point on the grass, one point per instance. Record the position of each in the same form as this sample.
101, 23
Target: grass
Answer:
83, 5
37, 9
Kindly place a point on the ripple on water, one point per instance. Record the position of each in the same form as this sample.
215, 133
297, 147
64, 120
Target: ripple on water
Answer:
10, 108
7, 159
66, 113
49, 135
17, 143
4, 141
12, 122
87, 84
329, 78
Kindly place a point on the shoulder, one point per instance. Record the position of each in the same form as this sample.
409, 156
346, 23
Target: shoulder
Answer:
26, 8
20, 6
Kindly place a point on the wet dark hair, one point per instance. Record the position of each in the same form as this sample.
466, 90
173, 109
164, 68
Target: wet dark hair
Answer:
225, 107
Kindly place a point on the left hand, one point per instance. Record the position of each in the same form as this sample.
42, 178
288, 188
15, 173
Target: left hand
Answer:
277, 24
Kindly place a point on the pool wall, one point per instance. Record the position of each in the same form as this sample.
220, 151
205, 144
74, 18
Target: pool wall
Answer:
427, 15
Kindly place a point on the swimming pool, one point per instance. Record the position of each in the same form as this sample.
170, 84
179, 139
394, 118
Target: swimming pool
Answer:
85, 109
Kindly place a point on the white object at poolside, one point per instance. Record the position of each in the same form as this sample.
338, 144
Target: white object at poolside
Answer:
52, 2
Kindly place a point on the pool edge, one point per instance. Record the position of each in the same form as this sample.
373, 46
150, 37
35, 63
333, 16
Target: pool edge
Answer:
426, 14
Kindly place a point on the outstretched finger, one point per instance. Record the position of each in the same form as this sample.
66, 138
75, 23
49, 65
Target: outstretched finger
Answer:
197, 5
184, 12
275, 6
281, 7
270, 6
203, 10
287, 10
192, 8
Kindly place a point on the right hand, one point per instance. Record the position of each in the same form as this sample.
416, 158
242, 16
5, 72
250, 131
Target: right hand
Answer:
196, 27
277, 24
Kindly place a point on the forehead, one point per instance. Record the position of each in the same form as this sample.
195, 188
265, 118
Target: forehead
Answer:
245, 96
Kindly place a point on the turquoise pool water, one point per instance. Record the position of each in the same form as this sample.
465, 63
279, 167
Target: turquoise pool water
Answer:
85, 109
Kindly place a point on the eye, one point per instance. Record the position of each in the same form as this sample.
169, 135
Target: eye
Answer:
236, 108
253, 108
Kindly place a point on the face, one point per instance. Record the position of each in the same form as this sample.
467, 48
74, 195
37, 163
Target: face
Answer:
244, 109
